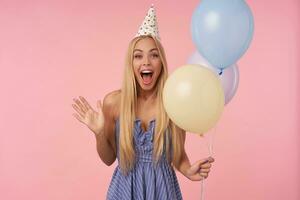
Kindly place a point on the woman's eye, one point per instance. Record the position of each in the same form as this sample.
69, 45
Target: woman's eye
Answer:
137, 56
155, 55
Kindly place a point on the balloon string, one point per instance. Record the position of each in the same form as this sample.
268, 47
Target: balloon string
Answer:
210, 150
202, 189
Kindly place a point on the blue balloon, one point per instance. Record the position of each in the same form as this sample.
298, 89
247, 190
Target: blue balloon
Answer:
222, 30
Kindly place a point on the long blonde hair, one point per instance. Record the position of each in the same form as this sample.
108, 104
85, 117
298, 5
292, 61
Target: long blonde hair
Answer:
164, 127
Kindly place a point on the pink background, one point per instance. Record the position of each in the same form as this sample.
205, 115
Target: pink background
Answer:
53, 51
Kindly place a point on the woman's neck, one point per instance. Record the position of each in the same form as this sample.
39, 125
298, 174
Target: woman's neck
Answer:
147, 95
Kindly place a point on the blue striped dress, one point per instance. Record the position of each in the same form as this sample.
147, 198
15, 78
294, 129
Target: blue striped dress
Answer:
145, 181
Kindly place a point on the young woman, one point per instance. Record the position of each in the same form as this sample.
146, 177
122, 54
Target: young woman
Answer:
133, 127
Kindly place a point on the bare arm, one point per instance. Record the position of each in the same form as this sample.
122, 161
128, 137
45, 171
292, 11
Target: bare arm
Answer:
104, 149
185, 162
105, 139
196, 172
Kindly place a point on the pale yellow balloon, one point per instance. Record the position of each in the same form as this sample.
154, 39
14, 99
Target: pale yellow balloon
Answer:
193, 98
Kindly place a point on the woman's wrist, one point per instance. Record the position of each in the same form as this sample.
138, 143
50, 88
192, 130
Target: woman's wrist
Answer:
98, 133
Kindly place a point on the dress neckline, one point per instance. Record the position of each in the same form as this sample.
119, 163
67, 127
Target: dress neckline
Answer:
139, 121
149, 125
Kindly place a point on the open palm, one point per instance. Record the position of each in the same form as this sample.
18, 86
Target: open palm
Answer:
86, 114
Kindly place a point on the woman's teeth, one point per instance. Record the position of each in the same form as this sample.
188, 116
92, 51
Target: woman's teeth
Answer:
145, 73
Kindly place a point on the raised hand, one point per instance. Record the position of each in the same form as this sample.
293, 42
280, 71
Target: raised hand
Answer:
86, 114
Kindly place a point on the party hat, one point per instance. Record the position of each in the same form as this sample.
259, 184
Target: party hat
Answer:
149, 25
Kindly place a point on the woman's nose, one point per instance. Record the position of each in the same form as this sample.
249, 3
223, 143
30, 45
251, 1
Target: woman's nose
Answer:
146, 61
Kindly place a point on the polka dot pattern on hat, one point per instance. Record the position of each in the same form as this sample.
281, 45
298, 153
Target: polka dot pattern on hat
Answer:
149, 25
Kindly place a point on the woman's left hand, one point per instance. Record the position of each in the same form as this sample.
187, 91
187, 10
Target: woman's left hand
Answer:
199, 170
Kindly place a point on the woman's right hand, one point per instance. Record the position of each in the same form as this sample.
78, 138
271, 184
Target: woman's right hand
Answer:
86, 114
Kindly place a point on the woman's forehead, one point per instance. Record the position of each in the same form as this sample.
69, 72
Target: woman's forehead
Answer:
145, 44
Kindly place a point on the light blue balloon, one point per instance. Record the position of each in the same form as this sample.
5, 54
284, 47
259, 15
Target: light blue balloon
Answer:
222, 30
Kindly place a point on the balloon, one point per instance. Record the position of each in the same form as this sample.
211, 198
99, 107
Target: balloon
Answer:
222, 30
193, 98
229, 77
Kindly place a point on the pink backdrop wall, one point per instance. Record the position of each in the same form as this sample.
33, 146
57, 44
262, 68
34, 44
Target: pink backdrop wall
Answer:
52, 51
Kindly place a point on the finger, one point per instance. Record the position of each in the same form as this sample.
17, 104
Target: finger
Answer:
206, 166
85, 103
203, 161
99, 105
80, 105
77, 117
204, 175
78, 110
204, 170
195, 167
197, 177
211, 159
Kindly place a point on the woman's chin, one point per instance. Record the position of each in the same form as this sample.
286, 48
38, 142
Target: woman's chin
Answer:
146, 87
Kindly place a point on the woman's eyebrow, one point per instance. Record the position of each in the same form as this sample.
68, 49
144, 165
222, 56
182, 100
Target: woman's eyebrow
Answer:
153, 49
136, 50
142, 50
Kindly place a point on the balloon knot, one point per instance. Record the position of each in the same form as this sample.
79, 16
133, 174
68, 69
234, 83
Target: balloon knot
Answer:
221, 72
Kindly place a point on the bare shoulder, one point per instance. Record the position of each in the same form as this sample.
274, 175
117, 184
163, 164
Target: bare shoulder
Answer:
111, 103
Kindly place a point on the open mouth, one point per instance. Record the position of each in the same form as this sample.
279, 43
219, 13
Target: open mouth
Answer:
147, 77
